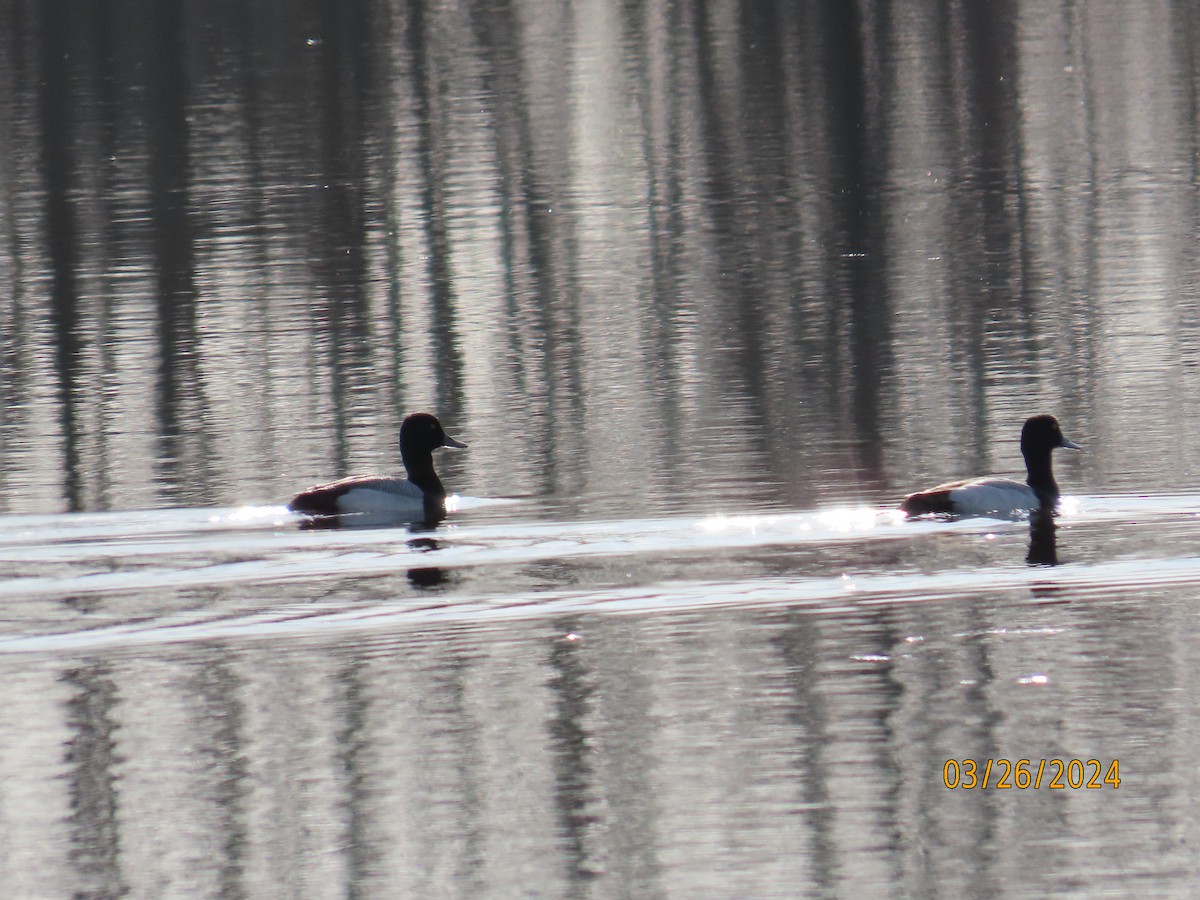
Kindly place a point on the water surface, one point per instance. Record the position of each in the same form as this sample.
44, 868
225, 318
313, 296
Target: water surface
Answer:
754, 704
707, 287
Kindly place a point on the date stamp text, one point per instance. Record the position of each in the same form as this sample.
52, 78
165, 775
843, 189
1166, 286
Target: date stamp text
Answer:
1025, 774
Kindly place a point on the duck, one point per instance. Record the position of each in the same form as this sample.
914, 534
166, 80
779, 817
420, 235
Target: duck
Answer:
420, 495
1040, 436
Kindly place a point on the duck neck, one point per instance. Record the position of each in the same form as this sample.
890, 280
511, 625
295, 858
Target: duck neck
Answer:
419, 466
1041, 477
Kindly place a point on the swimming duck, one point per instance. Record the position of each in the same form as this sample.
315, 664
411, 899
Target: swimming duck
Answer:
420, 494
1002, 496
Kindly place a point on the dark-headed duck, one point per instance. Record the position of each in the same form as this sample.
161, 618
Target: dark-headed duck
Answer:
421, 494
1002, 496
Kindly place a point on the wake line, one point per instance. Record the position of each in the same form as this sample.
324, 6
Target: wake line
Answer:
310, 556
825, 596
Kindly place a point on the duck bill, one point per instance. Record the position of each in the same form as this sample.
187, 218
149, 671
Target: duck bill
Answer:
448, 441
1069, 445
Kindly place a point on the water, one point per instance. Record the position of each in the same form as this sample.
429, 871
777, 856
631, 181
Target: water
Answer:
750, 704
707, 287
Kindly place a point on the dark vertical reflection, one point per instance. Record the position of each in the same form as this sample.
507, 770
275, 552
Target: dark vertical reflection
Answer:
108, 102
393, 220
91, 757
353, 746
58, 118
181, 405
626, 734
769, 62
970, 305
252, 65
851, 42
338, 241
893, 731
574, 770
1187, 28
665, 167
982, 742
995, 298
795, 645
14, 60
466, 762
1076, 243
218, 687
991, 41
431, 150
741, 293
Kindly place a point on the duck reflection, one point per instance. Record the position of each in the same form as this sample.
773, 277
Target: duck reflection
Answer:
421, 576
430, 521
1043, 541
425, 576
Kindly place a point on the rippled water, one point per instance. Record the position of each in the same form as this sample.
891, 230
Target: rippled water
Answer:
732, 705
229, 564
707, 287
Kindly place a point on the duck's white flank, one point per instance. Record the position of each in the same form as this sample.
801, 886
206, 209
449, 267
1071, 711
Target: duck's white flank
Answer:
383, 495
992, 496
